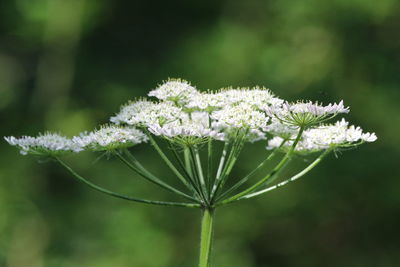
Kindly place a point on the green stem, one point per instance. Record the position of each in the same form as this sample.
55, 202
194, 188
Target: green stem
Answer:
235, 151
291, 179
188, 166
231, 162
199, 169
206, 237
169, 163
117, 195
196, 176
151, 178
271, 175
220, 167
185, 171
209, 163
248, 176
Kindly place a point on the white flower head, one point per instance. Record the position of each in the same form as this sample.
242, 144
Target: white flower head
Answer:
143, 113
336, 135
305, 113
242, 115
194, 129
48, 144
208, 101
175, 90
110, 138
259, 97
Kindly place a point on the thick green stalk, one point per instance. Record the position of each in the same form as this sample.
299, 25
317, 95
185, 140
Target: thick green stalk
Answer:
117, 195
206, 237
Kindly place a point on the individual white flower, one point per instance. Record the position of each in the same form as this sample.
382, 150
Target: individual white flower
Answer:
143, 113
305, 113
48, 144
175, 90
110, 138
323, 137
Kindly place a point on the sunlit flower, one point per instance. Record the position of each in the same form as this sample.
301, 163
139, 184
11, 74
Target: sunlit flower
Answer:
305, 113
176, 90
323, 137
110, 138
193, 129
143, 113
242, 115
48, 144
259, 97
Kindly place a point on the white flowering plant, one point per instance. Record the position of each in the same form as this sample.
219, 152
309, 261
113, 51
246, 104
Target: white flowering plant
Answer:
190, 122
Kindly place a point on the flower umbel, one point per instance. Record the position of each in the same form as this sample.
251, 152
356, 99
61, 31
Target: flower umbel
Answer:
48, 144
199, 127
305, 113
338, 135
175, 90
110, 138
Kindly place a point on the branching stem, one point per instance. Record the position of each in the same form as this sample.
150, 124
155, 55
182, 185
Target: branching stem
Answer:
272, 174
117, 195
291, 179
139, 169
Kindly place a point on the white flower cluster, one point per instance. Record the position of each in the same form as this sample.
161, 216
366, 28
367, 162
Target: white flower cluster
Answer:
106, 138
144, 113
323, 137
315, 109
186, 116
258, 97
305, 113
242, 115
176, 90
110, 138
46, 144
188, 130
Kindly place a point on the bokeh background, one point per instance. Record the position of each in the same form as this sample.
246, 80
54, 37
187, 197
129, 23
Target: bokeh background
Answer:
67, 65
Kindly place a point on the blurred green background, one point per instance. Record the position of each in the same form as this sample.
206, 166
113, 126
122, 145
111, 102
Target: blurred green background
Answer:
67, 65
